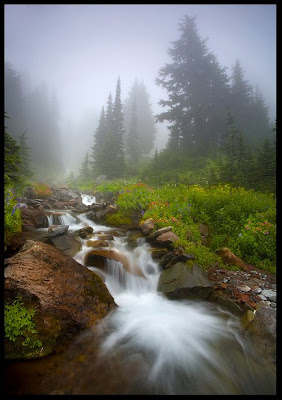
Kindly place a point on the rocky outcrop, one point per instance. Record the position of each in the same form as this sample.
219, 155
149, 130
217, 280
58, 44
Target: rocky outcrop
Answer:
66, 296
181, 281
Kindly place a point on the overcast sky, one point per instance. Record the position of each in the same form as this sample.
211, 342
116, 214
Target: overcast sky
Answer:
80, 50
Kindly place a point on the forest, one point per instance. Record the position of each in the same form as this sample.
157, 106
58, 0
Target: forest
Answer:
219, 130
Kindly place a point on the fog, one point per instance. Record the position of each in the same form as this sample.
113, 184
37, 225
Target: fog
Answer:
79, 51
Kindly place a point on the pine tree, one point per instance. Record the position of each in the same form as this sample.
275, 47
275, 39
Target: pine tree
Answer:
99, 148
133, 144
85, 171
197, 90
25, 168
233, 150
145, 123
118, 132
12, 159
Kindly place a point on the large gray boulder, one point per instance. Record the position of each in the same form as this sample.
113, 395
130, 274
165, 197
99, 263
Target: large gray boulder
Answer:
181, 281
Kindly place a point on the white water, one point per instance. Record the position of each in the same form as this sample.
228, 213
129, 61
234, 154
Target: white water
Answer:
152, 345
88, 199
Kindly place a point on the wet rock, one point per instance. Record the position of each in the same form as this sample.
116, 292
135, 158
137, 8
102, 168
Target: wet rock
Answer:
180, 281
57, 230
66, 243
263, 330
97, 243
66, 296
269, 294
113, 254
84, 232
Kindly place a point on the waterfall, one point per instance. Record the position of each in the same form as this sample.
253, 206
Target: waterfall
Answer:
88, 199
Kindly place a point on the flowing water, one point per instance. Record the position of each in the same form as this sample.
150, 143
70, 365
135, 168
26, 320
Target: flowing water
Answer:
152, 345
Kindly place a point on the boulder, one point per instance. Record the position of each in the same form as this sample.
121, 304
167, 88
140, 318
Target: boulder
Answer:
84, 232
66, 296
35, 216
262, 328
180, 281
57, 230
147, 226
230, 259
66, 243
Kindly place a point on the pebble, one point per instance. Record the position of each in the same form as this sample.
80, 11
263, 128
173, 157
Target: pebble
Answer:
269, 294
257, 291
244, 288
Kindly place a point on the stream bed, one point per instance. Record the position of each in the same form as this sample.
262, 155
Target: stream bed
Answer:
149, 344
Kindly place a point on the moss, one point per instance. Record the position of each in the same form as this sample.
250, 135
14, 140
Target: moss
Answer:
95, 289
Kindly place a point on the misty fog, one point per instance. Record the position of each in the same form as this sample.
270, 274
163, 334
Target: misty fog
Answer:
63, 61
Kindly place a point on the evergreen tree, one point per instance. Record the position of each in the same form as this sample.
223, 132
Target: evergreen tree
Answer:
85, 171
133, 144
14, 100
145, 124
118, 132
233, 149
266, 165
99, 149
197, 90
25, 168
12, 158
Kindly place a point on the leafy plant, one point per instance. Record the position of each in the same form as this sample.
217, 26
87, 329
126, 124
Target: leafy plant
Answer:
12, 215
18, 323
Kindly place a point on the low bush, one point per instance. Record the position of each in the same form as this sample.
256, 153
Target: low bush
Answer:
226, 210
12, 215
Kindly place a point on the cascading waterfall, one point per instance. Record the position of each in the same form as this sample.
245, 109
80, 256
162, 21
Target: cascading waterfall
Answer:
152, 345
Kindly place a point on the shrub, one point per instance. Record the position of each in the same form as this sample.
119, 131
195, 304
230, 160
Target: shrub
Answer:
256, 242
18, 323
12, 215
42, 190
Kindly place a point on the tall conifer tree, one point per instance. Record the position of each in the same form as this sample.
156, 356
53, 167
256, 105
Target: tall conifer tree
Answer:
197, 90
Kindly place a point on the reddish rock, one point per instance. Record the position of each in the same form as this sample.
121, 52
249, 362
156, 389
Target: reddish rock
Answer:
147, 226
67, 297
36, 216
231, 259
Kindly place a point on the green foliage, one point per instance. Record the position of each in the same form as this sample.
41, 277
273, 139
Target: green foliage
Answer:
12, 215
18, 323
118, 219
115, 186
224, 208
12, 157
257, 240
